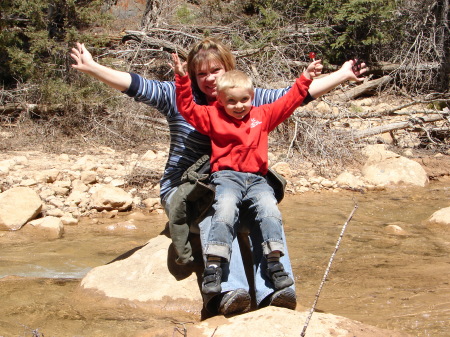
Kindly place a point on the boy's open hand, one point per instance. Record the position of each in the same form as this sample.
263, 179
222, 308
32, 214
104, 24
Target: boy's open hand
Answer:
314, 69
177, 66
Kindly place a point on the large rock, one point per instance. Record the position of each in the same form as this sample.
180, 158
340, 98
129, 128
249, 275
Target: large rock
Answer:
274, 322
385, 168
18, 205
148, 279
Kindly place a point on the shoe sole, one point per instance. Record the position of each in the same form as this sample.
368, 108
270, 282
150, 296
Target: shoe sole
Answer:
284, 298
234, 302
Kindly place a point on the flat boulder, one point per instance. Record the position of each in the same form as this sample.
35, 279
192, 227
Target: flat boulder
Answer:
274, 321
109, 197
146, 278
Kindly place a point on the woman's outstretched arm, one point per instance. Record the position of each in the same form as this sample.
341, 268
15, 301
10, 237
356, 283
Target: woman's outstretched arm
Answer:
116, 79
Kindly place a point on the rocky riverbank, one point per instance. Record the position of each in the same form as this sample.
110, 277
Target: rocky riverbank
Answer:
49, 191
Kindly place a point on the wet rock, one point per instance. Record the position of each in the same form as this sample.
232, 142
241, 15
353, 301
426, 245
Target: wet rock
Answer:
144, 282
50, 225
18, 205
395, 229
146, 278
122, 227
441, 216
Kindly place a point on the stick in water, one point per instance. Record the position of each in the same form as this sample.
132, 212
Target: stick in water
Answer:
313, 308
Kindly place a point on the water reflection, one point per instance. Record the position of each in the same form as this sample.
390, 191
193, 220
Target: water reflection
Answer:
392, 281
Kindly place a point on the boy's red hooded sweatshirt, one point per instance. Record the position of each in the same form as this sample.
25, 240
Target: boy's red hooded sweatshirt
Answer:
239, 144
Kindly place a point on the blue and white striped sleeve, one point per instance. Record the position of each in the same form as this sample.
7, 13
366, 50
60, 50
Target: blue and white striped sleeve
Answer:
266, 96
158, 94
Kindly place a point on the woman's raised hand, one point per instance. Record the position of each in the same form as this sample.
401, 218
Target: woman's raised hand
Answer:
82, 57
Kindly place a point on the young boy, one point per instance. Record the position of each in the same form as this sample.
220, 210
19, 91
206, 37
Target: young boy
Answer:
239, 163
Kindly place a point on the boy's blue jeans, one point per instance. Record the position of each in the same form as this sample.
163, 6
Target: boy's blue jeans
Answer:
234, 276
246, 192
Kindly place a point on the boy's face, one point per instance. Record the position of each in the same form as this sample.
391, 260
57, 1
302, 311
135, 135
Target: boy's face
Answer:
237, 102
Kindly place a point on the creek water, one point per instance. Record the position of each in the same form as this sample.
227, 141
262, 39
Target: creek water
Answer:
392, 281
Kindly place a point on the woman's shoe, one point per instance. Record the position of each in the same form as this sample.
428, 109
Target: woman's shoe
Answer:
284, 298
235, 302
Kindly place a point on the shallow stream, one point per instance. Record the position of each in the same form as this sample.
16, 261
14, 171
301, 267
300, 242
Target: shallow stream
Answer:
392, 281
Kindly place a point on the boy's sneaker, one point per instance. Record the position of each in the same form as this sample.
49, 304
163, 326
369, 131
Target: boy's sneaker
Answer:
235, 302
279, 277
212, 277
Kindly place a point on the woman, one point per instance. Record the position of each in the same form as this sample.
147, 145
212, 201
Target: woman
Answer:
207, 60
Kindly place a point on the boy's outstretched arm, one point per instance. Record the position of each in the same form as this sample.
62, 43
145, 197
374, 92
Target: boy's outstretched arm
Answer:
350, 71
116, 79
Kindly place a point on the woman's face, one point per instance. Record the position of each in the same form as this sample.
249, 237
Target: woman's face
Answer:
206, 76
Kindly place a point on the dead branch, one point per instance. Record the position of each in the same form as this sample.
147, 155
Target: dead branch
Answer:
164, 45
397, 126
33, 108
389, 68
391, 111
161, 121
327, 270
143, 37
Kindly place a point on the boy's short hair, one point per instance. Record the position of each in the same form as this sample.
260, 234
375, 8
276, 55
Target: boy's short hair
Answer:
234, 79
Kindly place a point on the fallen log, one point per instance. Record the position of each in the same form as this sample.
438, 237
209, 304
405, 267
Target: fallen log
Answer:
367, 87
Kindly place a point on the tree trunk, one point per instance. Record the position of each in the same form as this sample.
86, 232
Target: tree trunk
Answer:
151, 17
443, 43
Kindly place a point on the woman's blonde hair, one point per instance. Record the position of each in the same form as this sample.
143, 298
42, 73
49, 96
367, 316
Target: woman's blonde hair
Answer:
209, 50
234, 79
